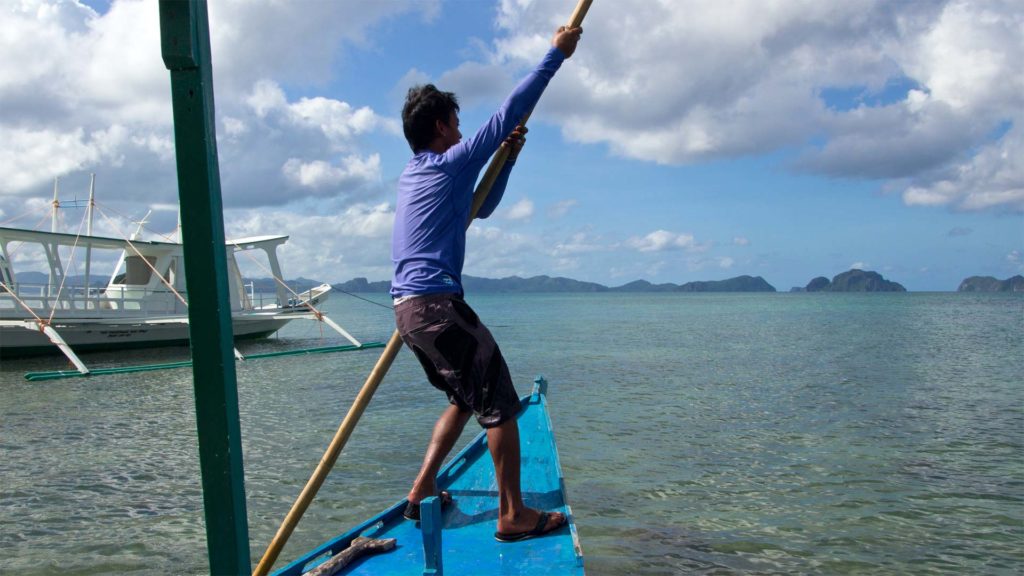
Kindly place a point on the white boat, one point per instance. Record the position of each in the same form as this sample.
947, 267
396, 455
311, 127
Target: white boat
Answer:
141, 302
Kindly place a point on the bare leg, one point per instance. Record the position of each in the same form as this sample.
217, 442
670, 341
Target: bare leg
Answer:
513, 515
446, 432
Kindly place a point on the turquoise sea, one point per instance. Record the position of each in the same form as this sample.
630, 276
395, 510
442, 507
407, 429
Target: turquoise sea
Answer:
699, 434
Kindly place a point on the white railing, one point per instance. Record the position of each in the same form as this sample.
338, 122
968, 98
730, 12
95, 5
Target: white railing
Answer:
116, 301
260, 300
78, 301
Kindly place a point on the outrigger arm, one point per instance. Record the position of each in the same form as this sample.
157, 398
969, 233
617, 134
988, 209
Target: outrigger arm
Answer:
339, 329
54, 337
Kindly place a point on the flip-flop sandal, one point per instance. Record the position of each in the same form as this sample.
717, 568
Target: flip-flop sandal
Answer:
412, 511
538, 530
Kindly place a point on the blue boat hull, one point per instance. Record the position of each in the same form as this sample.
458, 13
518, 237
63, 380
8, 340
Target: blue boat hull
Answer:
467, 537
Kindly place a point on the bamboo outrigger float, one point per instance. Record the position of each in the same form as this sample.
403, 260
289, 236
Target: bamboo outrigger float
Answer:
455, 538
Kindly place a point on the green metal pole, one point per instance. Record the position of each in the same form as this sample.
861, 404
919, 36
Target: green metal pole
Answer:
185, 44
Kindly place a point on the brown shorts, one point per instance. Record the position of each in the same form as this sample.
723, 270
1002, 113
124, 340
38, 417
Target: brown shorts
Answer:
459, 355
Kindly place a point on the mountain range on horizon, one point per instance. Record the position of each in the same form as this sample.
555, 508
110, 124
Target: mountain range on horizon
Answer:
850, 281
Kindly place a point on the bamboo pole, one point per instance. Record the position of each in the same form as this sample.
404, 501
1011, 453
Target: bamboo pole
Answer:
501, 156
379, 370
331, 455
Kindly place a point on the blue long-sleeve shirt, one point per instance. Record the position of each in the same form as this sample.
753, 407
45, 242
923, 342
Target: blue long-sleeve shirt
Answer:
435, 194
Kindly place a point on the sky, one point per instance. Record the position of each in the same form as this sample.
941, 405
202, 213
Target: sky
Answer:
686, 140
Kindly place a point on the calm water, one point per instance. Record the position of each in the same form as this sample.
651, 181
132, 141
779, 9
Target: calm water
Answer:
705, 434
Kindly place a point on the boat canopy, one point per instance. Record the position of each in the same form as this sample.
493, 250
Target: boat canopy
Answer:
256, 241
62, 239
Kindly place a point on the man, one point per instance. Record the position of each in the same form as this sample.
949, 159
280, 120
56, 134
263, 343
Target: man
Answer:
456, 350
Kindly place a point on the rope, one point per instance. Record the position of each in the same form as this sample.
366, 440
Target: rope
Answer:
22, 215
143, 224
64, 277
259, 264
144, 259
313, 309
250, 256
39, 320
307, 303
12, 252
385, 306
42, 324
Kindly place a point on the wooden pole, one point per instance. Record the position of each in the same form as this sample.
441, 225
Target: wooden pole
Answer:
185, 48
579, 13
483, 188
379, 370
330, 455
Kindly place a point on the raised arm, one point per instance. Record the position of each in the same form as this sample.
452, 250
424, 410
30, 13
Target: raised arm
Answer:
478, 148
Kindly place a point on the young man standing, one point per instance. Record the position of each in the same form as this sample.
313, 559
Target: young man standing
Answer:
456, 350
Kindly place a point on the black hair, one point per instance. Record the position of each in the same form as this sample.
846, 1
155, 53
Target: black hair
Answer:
423, 105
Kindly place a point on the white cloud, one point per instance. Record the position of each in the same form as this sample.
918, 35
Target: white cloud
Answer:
26, 153
494, 252
749, 77
968, 56
521, 210
740, 241
266, 96
82, 92
123, 78
285, 146
725, 262
86, 92
476, 83
560, 209
233, 126
338, 121
1014, 259
256, 39
358, 235
318, 174
858, 266
993, 178
661, 240
577, 243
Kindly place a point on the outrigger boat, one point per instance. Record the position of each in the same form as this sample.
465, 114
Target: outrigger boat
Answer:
142, 304
468, 545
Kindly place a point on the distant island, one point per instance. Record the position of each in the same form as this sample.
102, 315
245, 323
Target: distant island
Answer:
990, 284
558, 284
854, 280
737, 284
268, 285
850, 281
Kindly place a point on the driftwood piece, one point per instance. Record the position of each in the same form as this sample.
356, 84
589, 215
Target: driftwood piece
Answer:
359, 547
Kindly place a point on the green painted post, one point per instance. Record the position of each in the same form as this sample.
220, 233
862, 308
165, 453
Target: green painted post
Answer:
185, 44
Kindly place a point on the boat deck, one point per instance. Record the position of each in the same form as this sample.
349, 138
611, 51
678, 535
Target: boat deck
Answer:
468, 524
